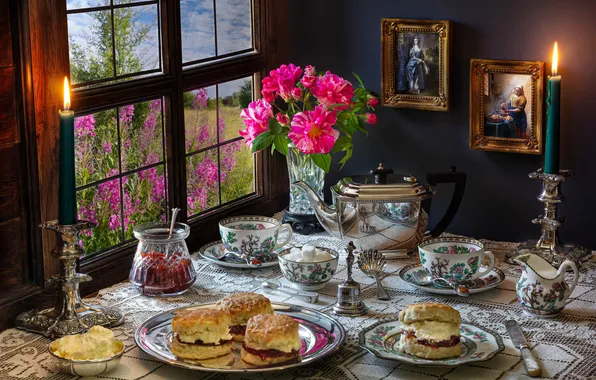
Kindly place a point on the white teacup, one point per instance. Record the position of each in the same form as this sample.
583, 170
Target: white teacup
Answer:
455, 259
253, 237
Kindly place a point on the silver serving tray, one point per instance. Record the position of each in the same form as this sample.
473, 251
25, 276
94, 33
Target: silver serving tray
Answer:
321, 335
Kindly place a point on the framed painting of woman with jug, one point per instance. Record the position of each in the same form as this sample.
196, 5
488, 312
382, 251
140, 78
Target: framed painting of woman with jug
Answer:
415, 63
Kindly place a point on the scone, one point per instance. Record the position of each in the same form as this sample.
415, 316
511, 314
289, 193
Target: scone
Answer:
201, 334
241, 307
271, 339
430, 331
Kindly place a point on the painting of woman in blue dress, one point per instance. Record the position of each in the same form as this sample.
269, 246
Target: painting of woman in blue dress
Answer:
516, 107
416, 69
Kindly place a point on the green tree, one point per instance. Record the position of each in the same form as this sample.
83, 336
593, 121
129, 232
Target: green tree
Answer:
129, 34
244, 94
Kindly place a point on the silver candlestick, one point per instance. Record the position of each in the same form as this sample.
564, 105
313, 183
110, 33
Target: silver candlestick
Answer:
348, 292
70, 315
549, 246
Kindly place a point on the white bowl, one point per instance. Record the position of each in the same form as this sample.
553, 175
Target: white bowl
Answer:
308, 275
87, 367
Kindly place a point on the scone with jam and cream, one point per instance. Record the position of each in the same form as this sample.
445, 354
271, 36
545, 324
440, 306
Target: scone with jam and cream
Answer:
241, 307
201, 334
430, 331
271, 339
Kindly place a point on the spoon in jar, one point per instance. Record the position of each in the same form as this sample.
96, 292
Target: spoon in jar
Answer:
425, 279
174, 216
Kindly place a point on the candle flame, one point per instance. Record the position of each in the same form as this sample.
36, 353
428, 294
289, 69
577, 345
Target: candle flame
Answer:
554, 70
66, 95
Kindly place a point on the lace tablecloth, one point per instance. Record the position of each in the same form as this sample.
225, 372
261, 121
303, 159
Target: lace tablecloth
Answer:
565, 345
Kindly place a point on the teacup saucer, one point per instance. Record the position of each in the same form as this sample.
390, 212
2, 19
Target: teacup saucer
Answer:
230, 261
481, 284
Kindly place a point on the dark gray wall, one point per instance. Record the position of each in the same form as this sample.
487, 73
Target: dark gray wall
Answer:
500, 201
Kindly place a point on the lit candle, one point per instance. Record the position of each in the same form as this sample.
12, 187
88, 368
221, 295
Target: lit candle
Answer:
553, 121
67, 206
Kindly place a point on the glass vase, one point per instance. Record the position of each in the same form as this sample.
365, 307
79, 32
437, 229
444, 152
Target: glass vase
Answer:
302, 168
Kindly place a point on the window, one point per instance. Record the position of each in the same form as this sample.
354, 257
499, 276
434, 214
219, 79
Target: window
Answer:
158, 112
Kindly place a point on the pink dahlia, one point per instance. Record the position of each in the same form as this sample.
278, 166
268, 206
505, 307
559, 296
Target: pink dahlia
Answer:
331, 89
256, 118
280, 81
312, 131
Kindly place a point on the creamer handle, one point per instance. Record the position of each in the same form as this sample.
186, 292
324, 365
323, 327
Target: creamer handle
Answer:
563, 269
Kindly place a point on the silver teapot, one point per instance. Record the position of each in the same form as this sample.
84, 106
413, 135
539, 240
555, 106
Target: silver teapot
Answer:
384, 211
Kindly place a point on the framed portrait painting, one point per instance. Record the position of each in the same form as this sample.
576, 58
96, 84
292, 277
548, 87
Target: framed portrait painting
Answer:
415, 63
506, 105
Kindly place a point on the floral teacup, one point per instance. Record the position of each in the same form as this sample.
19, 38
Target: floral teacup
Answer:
253, 237
308, 275
454, 259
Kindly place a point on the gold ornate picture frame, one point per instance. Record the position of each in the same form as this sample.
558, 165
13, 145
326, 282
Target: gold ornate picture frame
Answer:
415, 63
506, 99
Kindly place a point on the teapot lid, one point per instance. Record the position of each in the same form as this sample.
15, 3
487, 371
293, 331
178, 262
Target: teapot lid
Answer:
382, 185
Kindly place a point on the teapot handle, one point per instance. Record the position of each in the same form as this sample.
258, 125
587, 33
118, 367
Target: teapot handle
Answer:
563, 269
457, 178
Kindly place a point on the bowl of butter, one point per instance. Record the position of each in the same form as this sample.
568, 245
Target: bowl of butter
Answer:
90, 354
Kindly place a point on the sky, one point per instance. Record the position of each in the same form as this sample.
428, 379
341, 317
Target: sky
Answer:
233, 22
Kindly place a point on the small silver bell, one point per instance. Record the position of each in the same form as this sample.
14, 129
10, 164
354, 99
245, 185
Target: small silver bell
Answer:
348, 292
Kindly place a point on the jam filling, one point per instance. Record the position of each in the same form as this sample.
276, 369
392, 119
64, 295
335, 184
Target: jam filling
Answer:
271, 353
237, 330
200, 342
454, 340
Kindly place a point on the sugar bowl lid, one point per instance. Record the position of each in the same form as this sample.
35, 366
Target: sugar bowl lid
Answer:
382, 185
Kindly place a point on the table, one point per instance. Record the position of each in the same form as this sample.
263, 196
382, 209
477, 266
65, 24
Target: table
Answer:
502, 129
565, 345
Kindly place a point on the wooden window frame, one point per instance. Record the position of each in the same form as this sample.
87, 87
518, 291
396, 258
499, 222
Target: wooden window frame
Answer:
50, 63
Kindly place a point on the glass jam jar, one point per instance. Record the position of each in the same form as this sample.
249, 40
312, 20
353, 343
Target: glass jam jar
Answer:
162, 264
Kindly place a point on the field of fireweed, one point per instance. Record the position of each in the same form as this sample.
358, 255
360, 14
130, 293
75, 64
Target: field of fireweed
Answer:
111, 144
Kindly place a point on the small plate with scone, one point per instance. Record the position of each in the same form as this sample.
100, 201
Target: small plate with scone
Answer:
430, 334
242, 332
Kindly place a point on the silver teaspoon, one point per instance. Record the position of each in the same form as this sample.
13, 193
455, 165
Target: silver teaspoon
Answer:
373, 263
425, 279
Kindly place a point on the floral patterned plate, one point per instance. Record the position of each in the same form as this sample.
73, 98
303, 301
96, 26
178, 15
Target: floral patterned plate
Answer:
231, 261
481, 284
478, 344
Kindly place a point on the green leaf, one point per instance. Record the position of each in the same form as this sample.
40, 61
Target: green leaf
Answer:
262, 141
346, 158
362, 127
274, 126
322, 160
281, 144
345, 127
342, 143
358, 79
333, 106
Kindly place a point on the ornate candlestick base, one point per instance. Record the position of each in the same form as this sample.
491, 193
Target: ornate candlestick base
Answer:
70, 315
348, 292
549, 246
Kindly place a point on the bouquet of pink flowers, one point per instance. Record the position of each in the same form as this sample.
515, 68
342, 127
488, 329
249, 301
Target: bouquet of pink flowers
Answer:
321, 114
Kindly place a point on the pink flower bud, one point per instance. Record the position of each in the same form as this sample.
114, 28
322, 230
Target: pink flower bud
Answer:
372, 101
308, 81
282, 118
370, 118
297, 93
310, 70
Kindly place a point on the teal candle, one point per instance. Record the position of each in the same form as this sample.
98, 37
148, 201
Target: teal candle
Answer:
553, 121
67, 206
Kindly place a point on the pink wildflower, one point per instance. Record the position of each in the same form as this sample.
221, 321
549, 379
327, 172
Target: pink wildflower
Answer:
256, 118
85, 126
313, 132
107, 147
282, 118
370, 118
114, 222
331, 89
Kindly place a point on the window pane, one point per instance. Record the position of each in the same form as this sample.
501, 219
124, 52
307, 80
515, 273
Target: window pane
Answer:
144, 198
79, 4
200, 118
96, 147
233, 25
141, 133
90, 46
233, 96
100, 204
137, 39
202, 183
237, 171
198, 29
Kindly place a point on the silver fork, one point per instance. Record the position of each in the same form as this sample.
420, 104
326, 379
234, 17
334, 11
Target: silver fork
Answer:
373, 263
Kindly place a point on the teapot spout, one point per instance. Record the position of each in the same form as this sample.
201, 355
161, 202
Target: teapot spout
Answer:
322, 210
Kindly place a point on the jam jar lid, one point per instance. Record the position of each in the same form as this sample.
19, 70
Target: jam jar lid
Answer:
159, 231
382, 185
